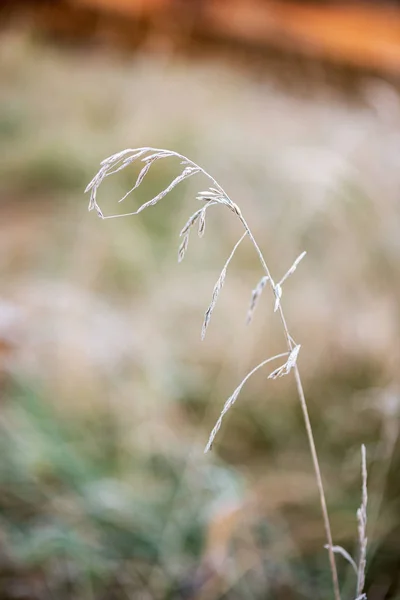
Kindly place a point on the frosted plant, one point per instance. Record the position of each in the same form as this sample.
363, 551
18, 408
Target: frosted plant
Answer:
212, 196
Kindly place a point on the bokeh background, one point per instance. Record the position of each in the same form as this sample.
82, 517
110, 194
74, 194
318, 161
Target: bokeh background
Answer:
107, 393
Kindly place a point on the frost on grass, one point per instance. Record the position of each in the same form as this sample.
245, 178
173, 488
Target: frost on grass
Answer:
213, 195
149, 156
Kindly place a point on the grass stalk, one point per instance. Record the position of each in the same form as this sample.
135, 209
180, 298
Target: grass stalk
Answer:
210, 197
308, 426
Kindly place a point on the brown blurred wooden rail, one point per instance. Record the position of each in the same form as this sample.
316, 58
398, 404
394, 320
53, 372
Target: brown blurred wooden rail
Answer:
362, 34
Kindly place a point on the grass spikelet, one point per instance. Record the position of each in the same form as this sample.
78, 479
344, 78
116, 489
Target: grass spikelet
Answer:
362, 525
198, 215
157, 155
288, 366
123, 161
183, 247
202, 222
233, 397
115, 157
190, 222
209, 195
187, 172
255, 295
139, 180
109, 167
293, 267
340, 550
217, 289
278, 296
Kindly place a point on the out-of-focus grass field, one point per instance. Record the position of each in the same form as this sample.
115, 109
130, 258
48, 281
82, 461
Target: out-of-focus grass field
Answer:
108, 395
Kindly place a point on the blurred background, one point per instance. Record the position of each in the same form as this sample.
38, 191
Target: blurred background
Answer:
107, 393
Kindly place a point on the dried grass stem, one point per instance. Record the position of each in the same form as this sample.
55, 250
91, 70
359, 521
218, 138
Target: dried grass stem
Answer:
216, 194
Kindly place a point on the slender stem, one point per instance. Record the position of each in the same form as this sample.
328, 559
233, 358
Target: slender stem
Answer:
289, 341
303, 403
362, 525
320, 485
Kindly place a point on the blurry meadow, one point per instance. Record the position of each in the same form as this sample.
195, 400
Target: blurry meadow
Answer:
107, 393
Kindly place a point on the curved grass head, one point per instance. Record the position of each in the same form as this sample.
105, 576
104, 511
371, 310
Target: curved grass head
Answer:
213, 196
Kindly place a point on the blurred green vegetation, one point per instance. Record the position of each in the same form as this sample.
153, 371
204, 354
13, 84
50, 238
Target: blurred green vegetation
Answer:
74, 501
107, 394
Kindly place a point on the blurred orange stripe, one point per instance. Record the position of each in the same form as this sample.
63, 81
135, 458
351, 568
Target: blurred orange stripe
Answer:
366, 36
127, 7
362, 35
